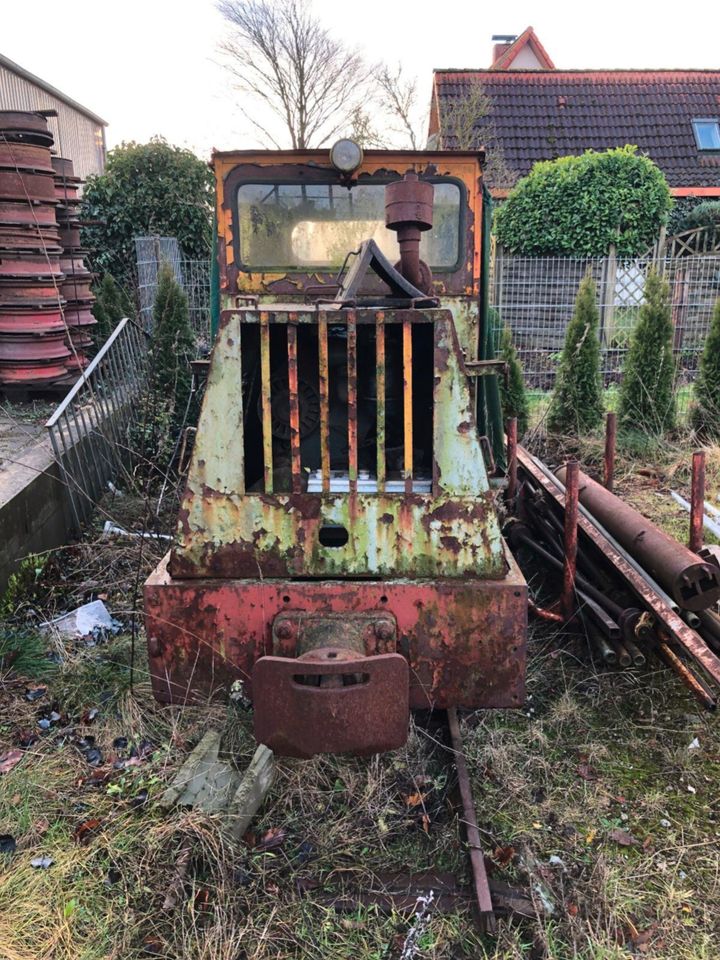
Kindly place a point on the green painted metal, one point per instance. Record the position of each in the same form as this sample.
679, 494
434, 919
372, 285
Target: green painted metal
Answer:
227, 531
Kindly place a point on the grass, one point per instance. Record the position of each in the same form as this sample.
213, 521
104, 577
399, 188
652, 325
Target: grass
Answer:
594, 751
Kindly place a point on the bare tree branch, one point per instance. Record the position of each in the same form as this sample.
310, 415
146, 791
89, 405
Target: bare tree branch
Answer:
291, 67
398, 98
466, 124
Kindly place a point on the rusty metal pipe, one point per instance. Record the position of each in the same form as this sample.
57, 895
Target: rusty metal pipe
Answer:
688, 676
409, 211
638, 657
544, 614
694, 584
512, 439
623, 655
567, 600
697, 501
651, 596
609, 462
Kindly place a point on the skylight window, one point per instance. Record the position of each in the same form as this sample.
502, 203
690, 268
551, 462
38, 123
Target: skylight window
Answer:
707, 133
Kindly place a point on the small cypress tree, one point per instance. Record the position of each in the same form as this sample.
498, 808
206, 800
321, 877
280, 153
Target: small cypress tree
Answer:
647, 399
513, 395
576, 405
173, 344
111, 305
706, 412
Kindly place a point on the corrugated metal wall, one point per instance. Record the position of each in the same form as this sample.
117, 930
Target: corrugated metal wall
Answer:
76, 136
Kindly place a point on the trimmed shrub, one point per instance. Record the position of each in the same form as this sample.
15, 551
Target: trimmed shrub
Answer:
111, 305
173, 344
647, 398
576, 405
705, 415
513, 395
576, 206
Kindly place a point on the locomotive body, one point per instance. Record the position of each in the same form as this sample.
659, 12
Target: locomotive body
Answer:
338, 553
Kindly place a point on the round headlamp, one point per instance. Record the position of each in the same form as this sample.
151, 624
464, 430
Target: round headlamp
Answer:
346, 155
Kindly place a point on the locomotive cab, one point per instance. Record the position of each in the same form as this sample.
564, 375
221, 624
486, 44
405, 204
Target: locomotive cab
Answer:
338, 552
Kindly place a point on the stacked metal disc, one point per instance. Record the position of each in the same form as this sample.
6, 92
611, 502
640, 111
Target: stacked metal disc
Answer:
33, 347
75, 288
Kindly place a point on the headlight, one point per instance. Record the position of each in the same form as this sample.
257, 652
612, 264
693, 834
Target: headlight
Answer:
346, 155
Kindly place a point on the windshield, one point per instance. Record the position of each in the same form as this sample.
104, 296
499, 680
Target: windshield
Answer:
315, 226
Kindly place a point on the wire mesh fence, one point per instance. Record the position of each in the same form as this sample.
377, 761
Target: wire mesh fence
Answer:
89, 429
535, 297
192, 275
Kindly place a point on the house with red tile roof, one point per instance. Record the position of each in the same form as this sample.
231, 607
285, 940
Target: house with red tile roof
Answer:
534, 111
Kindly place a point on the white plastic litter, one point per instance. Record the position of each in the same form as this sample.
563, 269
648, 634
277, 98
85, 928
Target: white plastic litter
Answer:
694, 745
111, 529
83, 621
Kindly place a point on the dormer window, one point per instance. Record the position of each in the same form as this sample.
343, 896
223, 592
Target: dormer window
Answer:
707, 133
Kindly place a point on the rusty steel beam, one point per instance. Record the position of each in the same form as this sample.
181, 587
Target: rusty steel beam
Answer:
663, 611
697, 501
352, 395
477, 862
380, 399
693, 583
609, 461
407, 405
266, 400
512, 440
570, 535
294, 404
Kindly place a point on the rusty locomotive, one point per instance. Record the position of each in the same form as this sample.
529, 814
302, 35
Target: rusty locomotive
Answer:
338, 553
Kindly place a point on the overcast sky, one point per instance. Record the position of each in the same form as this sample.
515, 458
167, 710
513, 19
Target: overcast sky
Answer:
151, 66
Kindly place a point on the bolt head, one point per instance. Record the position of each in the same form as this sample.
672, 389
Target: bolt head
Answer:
284, 630
384, 630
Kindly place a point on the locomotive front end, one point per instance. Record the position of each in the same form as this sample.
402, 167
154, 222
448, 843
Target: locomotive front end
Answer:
338, 554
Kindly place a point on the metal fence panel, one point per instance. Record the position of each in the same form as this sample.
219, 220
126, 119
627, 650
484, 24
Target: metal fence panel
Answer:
192, 275
89, 429
535, 297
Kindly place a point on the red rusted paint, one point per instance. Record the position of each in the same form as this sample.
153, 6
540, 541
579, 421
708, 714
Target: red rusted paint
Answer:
24, 156
609, 462
567, 600
697, 501
29, 187
294, 404
297, 719
465, 640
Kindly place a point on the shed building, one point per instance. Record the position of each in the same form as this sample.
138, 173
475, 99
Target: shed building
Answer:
79, 133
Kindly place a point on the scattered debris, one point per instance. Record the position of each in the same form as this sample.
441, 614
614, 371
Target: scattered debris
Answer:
111, 529
253, 789
7, 843
694, 744
42, 863
91, 619
623, 838
35, 693
85, 831
203, 781
10, 759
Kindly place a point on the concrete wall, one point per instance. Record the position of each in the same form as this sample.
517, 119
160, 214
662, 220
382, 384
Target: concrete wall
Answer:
34, 511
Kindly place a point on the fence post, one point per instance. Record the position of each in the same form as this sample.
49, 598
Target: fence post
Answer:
607, 311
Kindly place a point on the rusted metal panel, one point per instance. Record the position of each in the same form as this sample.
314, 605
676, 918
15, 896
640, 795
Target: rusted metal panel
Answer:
224, 532
324, 391
352, 426
294, 403
465, 640
381, 463
299, 719
265, 398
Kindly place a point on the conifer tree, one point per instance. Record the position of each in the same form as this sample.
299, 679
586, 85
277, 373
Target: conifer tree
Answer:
706, 412
173, 344
647, 399
513, 395
576, 406
111, 305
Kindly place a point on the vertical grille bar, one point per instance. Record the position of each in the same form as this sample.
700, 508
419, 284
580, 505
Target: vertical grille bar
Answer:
407, 406
380, 398
324, 386
295, 467
352, 401
266, 399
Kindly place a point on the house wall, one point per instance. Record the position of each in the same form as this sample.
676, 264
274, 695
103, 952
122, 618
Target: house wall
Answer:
77, 136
